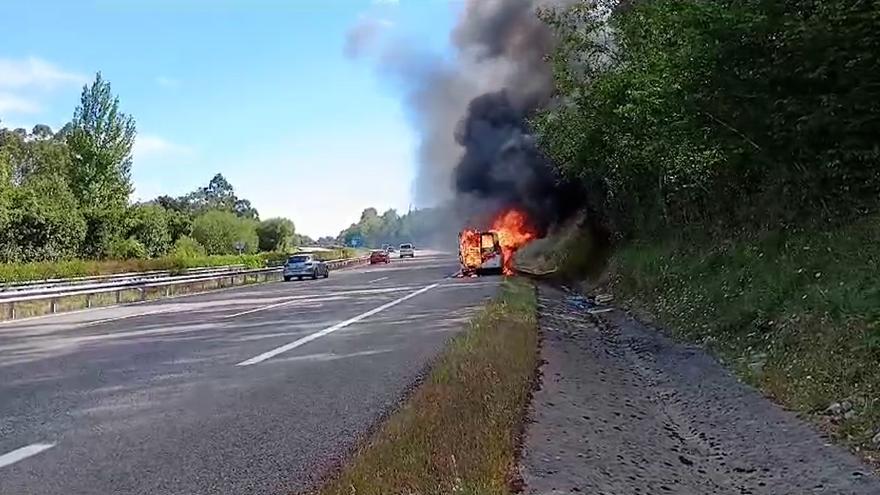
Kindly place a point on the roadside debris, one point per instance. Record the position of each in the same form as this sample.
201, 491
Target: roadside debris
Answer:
588, 304
604, 298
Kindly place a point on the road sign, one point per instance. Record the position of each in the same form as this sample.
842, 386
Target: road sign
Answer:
355, 241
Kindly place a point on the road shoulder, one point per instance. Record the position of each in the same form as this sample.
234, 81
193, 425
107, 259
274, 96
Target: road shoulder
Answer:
622, 409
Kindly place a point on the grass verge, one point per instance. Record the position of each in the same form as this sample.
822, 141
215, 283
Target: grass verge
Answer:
796, 314
20, 272
458, 432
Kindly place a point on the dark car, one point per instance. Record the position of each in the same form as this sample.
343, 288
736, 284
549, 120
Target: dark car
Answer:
304, 265
379, 256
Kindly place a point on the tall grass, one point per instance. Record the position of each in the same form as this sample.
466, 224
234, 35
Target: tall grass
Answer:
20, 272
457, 433
797, 314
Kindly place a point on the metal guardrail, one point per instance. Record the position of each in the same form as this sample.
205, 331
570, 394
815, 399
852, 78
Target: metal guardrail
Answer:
35, 285
54, 294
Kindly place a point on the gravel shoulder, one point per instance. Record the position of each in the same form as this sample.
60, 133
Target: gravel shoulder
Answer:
624, 410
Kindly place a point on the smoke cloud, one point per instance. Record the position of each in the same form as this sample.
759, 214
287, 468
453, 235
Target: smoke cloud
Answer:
476, 148
364, 34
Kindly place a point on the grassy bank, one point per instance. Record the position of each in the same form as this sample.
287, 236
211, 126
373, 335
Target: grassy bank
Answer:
795, 314
457, 434
19, 272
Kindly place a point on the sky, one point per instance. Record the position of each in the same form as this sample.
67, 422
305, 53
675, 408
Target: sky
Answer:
261, 91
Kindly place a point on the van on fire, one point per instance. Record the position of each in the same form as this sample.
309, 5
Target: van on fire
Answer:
480, 252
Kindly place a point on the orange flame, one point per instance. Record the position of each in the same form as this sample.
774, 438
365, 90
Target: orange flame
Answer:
514, 232
469, 248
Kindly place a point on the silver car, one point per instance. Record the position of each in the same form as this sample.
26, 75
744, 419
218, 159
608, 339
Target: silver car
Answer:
304, 265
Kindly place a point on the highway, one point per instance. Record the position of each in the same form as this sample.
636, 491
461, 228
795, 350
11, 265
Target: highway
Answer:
251, 390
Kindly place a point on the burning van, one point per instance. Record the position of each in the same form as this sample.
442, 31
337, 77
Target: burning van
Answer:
480, 252
493, 250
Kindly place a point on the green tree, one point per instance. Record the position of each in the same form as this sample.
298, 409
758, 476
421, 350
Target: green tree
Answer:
217, 195
148, 224
42, 131
5, 192
244, 209
220, 231
43, 223
304, 240
718, 114
276, 234
29, 155
38, 220
179, 224
100, 140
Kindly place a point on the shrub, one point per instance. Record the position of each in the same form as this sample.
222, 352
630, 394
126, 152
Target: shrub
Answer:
187, 247
148, 224
220, 231
126, 249
275, 234
44, 222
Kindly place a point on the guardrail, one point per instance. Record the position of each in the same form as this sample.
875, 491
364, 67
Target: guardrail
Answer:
142, 289
33, 285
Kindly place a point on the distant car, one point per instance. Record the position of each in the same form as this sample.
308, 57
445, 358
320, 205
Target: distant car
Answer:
407, 251
390, 249
379, 256
304, 265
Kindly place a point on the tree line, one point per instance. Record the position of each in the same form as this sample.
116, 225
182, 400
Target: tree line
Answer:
65, 195
424, 227
723, 115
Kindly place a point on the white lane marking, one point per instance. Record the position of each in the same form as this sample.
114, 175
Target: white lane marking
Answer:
23, 453
308, 338
294, 299
377, 280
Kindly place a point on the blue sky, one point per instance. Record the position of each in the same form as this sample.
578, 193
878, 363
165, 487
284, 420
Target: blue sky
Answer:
258, 90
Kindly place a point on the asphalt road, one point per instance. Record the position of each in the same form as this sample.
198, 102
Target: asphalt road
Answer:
250, 390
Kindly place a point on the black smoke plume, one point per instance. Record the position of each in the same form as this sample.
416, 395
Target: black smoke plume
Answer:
503, 168
476, 148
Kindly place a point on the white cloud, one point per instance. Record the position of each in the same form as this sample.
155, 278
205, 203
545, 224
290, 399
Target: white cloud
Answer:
28, 87
34, 72
167, 82
10, 103
148, 145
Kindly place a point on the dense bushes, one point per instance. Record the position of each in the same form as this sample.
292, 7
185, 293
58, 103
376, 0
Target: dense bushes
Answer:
148, 225
187, 247
42, 222
719, 114
276, 234
221, 232
732, 146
